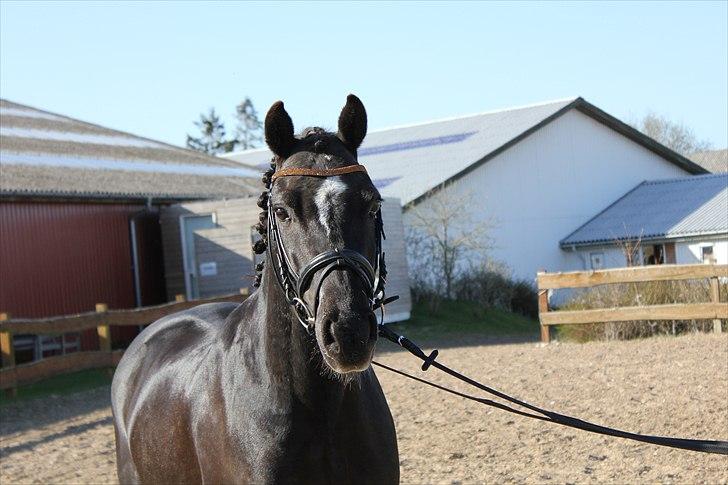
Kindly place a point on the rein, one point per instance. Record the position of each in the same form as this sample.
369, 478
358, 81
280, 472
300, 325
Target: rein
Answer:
294, 285
535, 412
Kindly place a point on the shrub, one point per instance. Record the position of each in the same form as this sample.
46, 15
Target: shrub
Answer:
637, 294
491, 286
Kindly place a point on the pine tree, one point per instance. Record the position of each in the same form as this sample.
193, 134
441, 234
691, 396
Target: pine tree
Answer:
249, 132
212, 135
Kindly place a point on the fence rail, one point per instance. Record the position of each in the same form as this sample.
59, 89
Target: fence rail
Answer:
714, 310
12, 375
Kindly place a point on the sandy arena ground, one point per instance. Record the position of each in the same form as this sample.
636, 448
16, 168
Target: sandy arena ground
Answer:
664, 386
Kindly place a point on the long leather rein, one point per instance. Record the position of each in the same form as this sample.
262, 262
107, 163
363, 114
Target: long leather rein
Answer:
294, 285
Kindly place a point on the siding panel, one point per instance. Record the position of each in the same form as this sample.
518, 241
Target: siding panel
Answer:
63, 258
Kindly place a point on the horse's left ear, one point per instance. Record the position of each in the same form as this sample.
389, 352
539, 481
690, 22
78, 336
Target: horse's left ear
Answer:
279, 130
352, 123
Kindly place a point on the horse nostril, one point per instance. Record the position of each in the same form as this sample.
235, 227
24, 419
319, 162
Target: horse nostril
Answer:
328, 332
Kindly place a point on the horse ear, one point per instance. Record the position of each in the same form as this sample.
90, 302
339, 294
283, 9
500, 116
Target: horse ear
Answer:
279, 130
353, 123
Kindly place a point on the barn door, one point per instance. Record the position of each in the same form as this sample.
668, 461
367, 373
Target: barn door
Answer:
147, 258
188, 227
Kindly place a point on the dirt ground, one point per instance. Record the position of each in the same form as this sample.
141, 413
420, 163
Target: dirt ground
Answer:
663, 386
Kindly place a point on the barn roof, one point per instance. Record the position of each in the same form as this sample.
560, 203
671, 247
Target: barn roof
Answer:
44, 154
715, 161
409, 162
660, 209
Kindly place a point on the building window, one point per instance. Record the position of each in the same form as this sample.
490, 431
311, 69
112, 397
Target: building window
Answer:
707, 254
653, 254
597, 260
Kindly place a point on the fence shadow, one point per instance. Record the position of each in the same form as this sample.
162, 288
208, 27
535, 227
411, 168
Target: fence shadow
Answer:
35, 413
68, 431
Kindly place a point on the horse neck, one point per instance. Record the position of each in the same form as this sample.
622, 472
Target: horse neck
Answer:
291, 354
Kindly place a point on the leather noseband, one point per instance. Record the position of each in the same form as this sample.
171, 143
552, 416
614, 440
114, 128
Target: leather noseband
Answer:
295, 285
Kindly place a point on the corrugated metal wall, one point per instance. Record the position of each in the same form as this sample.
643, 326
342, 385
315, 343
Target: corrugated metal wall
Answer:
63, 258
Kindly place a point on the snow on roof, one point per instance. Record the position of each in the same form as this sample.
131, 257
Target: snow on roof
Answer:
47, 154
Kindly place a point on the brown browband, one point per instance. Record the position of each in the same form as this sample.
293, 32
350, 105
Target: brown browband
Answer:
317, 172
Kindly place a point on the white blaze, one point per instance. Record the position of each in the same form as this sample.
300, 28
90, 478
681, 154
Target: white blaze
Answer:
326, 201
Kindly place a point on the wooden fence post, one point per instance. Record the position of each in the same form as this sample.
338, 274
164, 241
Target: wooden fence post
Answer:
543, 307
103, 330
715, 298
8, 352
179, 297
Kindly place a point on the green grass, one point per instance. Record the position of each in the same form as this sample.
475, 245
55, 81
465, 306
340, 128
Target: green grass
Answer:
463, 318
60, 385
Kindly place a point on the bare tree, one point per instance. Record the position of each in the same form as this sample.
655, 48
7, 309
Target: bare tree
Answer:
629, 247
673, 135
444, 237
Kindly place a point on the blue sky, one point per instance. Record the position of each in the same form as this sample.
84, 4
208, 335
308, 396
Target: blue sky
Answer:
151, 68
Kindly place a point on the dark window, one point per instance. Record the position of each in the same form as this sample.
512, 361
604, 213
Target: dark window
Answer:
707, 253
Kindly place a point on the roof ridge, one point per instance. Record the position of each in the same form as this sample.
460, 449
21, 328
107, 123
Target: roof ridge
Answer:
482, 113
690, 178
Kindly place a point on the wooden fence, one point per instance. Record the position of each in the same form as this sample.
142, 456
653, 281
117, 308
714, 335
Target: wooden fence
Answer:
713, 310
12, 375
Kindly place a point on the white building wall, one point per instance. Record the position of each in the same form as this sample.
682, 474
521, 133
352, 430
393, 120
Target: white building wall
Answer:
541, 189
688, 252
612, 257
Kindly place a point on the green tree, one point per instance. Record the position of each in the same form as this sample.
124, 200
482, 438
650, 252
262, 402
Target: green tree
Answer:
212, 135
249, 131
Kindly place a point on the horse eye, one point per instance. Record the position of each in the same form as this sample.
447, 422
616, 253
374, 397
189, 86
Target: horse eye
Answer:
281, 213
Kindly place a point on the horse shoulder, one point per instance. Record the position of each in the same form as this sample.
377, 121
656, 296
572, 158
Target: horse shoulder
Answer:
155, 384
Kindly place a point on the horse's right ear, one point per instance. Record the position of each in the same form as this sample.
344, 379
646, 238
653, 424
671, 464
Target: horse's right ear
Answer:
279, 130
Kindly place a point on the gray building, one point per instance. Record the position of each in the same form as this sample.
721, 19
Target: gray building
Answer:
208, 250
675, 221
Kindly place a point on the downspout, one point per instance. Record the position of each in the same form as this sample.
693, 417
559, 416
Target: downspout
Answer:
135, 261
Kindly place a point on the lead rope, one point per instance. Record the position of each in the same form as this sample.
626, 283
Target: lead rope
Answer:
704, 446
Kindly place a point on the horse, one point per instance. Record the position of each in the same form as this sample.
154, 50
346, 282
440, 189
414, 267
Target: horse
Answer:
280, 388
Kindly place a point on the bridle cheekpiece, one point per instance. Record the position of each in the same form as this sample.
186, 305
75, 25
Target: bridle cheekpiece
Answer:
294, 284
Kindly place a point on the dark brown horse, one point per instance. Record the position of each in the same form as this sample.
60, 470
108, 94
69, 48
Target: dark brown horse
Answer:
227, 393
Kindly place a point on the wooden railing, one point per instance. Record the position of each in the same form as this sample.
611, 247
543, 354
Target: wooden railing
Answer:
12, 375
713, 310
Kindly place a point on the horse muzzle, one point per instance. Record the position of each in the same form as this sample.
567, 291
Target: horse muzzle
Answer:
346, 338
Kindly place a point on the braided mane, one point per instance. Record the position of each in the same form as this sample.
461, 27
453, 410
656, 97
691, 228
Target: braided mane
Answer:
262, 226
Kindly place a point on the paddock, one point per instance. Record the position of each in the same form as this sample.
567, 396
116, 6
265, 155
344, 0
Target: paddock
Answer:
672, 386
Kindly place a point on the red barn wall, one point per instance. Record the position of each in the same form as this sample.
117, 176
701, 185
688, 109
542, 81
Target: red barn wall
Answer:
63, 258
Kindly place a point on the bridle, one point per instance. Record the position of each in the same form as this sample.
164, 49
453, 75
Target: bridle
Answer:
294, 284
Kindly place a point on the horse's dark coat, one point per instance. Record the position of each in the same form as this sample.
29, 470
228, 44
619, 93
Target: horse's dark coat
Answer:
242, 394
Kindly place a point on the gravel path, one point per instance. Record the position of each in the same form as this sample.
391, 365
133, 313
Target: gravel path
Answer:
664, 386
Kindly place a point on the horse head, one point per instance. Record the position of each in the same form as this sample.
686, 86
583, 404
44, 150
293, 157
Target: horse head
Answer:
323, 222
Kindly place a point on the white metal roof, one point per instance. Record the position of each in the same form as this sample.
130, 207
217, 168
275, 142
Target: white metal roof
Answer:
661, 209
714, 161
408, 161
